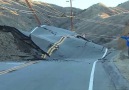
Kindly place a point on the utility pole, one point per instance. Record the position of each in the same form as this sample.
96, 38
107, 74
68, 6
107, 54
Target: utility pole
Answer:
34, 14
71, 14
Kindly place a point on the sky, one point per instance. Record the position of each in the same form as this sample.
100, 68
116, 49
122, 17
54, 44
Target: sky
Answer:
83, 4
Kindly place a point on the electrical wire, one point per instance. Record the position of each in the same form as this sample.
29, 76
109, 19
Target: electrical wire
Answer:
42, 9
91, 20
88, 20
22, 11
46, 20
62, 15
75, 17
55, 11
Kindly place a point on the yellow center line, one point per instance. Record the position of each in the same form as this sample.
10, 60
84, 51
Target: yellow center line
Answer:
17, 67
57, 46
44, 56
51, 49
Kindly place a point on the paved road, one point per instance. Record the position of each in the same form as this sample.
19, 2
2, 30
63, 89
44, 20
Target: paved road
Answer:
73, 65
58, 75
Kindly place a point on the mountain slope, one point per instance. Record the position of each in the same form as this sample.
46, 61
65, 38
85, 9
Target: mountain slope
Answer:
18, 12
124, 5
95, 10
100, 23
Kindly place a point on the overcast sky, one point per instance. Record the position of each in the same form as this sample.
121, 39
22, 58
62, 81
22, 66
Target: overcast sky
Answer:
83, 4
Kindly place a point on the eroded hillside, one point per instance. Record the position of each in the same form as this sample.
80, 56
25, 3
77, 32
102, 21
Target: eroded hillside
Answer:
99, 23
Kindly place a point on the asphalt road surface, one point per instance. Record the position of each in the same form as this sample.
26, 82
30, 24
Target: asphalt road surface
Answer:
73, 65
58, 75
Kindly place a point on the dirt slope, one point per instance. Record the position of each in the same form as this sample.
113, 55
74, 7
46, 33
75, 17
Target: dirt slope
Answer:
100, 23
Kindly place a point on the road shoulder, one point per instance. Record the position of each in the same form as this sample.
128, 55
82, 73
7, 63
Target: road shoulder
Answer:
110, 65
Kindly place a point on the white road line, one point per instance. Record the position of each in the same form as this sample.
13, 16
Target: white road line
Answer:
14, 63
17, 67
105, 53
34, 29
43, 25
93, 70
92, 76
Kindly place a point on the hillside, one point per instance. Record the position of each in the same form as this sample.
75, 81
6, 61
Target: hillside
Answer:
95, 10
16, 13
103, 24
99, 23
110, 26
124, 5
19, 15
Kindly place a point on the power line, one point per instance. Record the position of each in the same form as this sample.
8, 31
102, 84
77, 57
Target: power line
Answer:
27, 7
38, 11
30, 12
27, 12
88, 20
94, 21
22, 11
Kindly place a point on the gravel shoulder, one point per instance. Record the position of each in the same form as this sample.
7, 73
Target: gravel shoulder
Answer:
122, 63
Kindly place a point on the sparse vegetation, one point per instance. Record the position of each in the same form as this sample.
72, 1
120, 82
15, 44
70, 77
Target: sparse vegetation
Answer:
97, 20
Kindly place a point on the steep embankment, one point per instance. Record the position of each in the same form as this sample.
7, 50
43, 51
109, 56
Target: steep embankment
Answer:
103, 24
124, 6
96, 10
100, 23
17, 14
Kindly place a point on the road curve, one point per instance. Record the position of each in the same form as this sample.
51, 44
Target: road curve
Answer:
73, 64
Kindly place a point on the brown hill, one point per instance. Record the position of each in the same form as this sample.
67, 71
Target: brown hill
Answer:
124, 5
95, 10
19, 15
16, 13
100, 23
